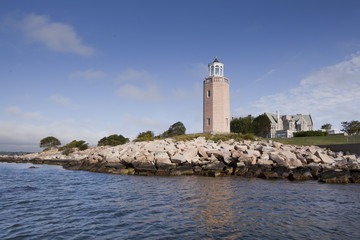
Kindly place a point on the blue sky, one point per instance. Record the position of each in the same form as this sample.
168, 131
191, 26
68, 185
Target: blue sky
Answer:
89, 69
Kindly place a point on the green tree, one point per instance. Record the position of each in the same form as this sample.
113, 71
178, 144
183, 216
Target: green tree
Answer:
81, 145
176, 129
145, 136
49, 143
352, 127
261, 125
326, 126
113, 140
242, 125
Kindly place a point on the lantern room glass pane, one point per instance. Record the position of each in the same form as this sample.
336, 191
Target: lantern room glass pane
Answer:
216, 70
212, 71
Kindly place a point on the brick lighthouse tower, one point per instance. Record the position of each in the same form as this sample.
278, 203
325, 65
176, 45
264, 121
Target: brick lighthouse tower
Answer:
216, 100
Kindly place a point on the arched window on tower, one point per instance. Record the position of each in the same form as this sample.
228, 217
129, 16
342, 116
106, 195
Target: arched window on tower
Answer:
217, 70
221, 70
212, 71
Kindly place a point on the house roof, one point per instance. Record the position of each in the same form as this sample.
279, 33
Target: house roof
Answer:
273, 118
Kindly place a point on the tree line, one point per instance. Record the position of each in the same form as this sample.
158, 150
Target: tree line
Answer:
51, 142
259, 126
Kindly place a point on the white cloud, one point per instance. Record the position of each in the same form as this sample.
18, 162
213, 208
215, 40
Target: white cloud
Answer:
56, 36
148, 94
331, 94
266, 75
87, 74
19, 113
131, 75
60, 99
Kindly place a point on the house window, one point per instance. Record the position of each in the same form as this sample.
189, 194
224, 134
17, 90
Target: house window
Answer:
208, 94
208, 121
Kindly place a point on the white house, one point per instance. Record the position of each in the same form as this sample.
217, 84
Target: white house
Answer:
284, 126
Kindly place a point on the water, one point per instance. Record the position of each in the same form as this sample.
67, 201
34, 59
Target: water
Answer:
52, 203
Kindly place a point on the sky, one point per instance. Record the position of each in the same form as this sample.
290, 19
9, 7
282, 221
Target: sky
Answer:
83, 70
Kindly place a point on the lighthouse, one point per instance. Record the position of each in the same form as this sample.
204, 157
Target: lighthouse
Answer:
216, 100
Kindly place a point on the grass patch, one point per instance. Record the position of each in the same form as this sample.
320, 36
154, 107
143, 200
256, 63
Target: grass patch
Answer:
320, 140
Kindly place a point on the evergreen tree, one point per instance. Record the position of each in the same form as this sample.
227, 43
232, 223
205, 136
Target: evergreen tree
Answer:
49, 143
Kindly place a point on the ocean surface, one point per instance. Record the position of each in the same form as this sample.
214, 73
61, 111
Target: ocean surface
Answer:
49, 202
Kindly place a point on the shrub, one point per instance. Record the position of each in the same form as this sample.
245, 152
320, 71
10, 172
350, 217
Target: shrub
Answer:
249, 136
145, 136
67, 151
310, 134
81, 145
113, 140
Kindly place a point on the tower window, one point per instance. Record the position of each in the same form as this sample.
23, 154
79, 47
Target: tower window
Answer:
208, 94
216, 70
227, 121
208, 121
212, 71
221, 71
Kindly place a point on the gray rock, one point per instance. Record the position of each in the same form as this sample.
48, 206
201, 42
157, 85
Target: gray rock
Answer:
324, 158
264, 161
217, 166
250, 159
253, 152
281, 161
202, 152
178, 159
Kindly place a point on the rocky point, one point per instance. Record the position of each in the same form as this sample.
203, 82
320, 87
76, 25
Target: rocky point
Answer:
260, 159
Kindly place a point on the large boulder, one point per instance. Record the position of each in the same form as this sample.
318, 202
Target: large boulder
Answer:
335, 176
281, 161
324, 157
182, 170
216, 153
247, 159
236, 153
215, 166
202, 152
267, 149
163, 162
144, 168
355, 175
282, 171
291, 158
262, 161
301, 174
178, 159
241, 148
256, 153
311, 158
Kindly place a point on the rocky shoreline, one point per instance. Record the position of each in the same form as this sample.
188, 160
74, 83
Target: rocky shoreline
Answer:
259, 159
